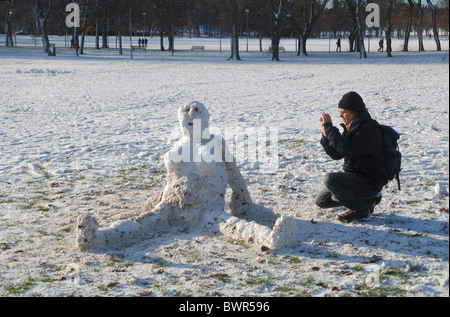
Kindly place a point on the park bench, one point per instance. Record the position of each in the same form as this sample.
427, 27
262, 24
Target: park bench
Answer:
280, 48
197, 48
52, 50
36, 40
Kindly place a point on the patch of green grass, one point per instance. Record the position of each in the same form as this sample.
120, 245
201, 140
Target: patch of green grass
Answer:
303, 294
5, 200
238, 242
381, 291
21, 288
43, 208
358, 268
120, 261
193, 255
308, 282
44, 172
257, 281
294, 260
28, 206
159, 262
285, 290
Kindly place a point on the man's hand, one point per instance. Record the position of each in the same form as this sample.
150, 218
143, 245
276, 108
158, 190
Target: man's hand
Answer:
325, 118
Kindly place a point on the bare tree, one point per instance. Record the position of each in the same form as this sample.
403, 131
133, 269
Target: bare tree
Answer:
435, 29
362, 49
354, 9
8, 24
84, 24
101, 10
116, 8
279, 14
389, 29
42, 14
409, 26
97, 25
420, 25
235, 30
302, 20
129, 7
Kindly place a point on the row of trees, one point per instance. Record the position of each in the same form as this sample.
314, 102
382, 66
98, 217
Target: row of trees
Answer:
232, 18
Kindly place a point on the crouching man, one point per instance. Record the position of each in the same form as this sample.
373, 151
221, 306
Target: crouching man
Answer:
364, 174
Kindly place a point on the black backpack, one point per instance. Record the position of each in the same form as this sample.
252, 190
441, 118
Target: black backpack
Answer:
392, 155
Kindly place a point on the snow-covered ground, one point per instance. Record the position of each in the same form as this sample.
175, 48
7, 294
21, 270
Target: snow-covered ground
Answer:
88, 134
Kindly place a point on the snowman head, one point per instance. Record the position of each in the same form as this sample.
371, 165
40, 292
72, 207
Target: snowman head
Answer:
193, 114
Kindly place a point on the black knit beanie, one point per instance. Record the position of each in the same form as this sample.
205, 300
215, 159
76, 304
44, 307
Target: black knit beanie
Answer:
353, 102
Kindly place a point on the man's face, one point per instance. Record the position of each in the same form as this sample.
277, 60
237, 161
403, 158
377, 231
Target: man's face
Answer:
346, 115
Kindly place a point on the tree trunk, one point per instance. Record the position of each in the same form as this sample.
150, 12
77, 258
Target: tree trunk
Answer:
353, 36
278, 14
42, 17
351, 39
161, 41
360, 38
105, 30
408, 28
120, 43
389, 30
97, 34
83, 34
276, 40
119, 32
8, 30
76, 42
260, 43
84, 26
435, 29
97, 27
234, 31
261, 31
419, 26
130, 27
170, 37
302, 45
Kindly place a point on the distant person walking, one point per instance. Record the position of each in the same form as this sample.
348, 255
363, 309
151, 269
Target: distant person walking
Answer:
338, 45
381, 45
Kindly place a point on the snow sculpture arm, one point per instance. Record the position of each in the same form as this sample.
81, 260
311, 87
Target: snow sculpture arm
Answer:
241, 201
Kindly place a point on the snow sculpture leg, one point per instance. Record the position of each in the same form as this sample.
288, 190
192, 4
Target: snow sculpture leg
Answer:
281, 236
88, 234
86, 231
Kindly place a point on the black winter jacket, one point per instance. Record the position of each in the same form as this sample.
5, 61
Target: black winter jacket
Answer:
361, 148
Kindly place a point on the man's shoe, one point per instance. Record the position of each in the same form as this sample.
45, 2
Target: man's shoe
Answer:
352, 215
374, 201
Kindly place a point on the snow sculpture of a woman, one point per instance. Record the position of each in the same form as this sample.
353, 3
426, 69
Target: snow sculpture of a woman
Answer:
194, 195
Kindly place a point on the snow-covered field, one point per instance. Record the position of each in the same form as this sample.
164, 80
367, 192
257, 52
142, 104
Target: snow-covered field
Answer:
88, 134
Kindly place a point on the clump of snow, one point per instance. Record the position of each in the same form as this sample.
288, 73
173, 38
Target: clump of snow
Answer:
440, 190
